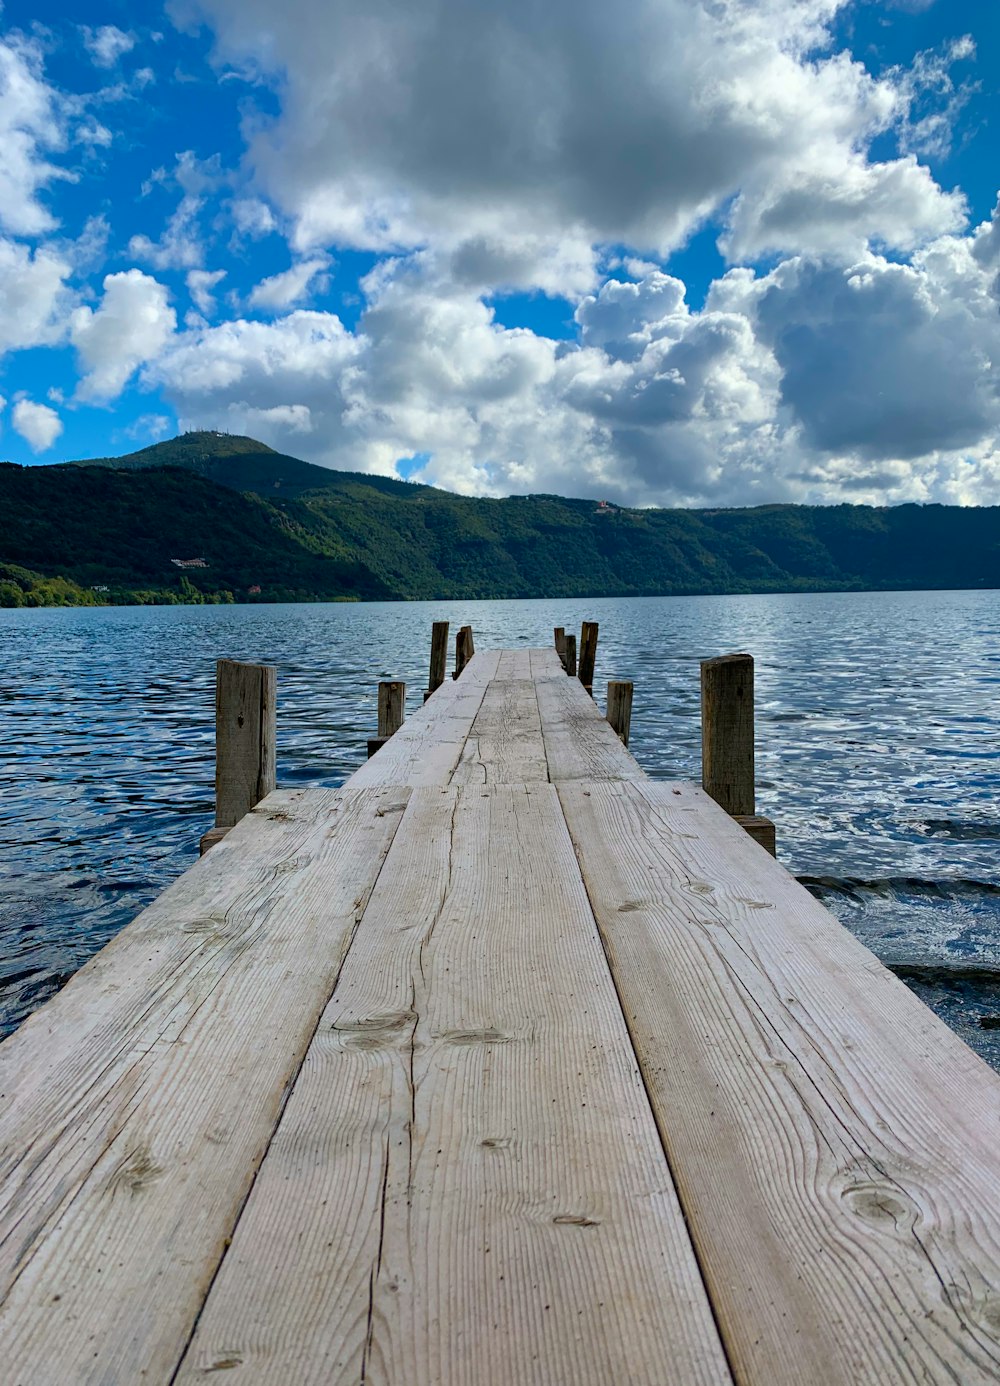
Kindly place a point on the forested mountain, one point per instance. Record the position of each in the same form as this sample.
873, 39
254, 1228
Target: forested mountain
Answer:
165, 524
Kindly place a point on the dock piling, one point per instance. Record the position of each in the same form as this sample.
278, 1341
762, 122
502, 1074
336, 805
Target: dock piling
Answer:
727, 742
464, 650
439, 657
588, 654
619, 711
569, 656
245, 737
391, 711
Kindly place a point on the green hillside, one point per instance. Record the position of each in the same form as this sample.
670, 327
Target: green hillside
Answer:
301, 532
122, 530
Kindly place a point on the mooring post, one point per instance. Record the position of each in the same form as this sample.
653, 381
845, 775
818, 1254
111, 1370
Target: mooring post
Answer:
464, 650
619, 712
391, 711
727, 742
560, 640
569, 657
245, 737
439, 657
588, 654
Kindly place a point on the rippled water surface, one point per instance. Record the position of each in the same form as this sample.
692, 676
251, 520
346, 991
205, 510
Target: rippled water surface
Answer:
878, 728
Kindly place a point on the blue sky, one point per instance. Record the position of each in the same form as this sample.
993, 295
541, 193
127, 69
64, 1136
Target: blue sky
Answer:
710, 254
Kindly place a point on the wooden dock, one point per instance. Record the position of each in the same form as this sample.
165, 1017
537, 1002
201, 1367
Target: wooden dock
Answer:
502, 1064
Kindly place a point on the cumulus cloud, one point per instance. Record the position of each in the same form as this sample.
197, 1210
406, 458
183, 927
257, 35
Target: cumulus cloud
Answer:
31, 126
546, 125
131, 325
871, 380
37, 424
107, 44
34, 299
200, 284
280, 291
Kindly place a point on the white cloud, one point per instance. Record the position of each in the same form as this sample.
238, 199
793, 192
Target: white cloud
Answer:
31, 123
107, 44
866, 381
132, 324
180, 246
280, 291
252, 217
200, 284
34, 299
39, 425
546, 126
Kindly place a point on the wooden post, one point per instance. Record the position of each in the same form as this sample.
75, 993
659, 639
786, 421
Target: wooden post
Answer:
727, 771
727, 742
245, 736
439, 657
464, 650
619, 712
391, 711
560, 641
588, 654
569, 658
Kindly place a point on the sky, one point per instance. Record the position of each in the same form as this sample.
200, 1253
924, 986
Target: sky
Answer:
675, 252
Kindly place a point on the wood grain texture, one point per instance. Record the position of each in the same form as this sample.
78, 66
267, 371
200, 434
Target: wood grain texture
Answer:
834, 1143
588, 653
429, 744
619, 709
727, 732
245, 738
391, 708
514, 664
138, 1103
467, 1185
505, 743
579, 742
439, 656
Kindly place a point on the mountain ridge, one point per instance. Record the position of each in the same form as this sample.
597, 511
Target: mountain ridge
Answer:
221, 517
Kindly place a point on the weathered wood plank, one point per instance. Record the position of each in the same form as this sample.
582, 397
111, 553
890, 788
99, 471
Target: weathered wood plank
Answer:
138, 1103
505, 744
429, 744
579, 742
467, 1184
834, 1143
514, 664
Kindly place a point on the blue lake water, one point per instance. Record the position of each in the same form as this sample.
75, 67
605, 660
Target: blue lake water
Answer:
878, 730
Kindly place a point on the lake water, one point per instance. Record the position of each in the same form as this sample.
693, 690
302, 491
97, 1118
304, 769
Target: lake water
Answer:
878, 730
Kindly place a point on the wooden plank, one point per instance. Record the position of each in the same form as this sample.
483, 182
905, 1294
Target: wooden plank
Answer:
429, 744
546, 663
514, 664
505, 744
834, 1143
467, 1187
579, 742
138, 1103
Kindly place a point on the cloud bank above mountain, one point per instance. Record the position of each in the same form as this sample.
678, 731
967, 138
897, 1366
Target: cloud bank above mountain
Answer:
841, 345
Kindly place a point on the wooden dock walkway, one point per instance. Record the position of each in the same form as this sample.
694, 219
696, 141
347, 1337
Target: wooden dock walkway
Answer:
502, 1064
